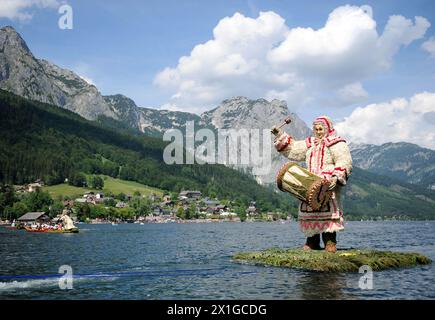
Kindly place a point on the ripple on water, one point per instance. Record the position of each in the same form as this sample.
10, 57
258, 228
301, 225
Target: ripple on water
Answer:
160, 254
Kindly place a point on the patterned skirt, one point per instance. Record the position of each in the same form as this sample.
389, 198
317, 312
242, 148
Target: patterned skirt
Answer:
328, 219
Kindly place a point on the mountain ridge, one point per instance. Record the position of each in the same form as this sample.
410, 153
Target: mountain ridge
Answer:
405, 161
37, 79
42, 141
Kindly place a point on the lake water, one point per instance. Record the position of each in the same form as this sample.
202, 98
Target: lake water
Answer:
193, 261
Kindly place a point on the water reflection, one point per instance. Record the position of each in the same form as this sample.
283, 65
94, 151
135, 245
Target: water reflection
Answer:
322, 285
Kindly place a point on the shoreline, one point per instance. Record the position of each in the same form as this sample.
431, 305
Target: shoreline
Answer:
196, 221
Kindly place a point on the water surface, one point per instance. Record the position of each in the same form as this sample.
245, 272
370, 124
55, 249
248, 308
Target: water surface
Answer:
193, 261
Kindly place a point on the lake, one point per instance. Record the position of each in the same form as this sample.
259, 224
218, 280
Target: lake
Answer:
193, 261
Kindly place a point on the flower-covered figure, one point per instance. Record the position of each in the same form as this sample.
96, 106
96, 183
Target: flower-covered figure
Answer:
326, 155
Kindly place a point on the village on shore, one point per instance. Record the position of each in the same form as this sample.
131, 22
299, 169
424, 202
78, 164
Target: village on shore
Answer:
187, 206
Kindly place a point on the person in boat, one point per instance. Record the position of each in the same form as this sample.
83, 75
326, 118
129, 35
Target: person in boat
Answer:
66, 220
326, 155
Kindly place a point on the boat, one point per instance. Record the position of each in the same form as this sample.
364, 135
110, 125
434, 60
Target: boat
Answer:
46, 230
14, 227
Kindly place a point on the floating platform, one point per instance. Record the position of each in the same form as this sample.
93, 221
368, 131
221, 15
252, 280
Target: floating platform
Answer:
348, 260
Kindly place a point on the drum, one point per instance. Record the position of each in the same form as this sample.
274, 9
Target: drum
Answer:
304, 185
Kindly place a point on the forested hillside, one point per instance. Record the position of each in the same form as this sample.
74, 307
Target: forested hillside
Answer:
41, 141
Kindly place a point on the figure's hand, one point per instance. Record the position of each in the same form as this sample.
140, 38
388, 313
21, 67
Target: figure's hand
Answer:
276, 131
282, 141
332, 183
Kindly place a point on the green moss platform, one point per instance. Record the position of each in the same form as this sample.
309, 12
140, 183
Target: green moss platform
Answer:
341, 261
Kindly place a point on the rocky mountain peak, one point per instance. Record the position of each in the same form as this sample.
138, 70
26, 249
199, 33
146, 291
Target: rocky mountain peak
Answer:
242, 112
21, 73
121, 101
11, 40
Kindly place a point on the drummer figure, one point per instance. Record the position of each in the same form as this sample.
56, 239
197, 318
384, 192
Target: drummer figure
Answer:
328, 156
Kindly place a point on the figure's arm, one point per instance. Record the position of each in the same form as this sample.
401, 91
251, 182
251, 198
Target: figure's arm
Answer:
287, 146
342, 161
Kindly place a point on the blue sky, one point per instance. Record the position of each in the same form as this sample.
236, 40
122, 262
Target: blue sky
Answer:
123, 45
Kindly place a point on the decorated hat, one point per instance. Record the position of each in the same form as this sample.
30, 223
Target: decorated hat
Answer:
326, 123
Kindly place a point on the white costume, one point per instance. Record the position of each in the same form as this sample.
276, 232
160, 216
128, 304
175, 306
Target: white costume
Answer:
67, 222
328, 157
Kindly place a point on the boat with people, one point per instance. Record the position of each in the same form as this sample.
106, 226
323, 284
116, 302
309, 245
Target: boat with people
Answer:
40, 222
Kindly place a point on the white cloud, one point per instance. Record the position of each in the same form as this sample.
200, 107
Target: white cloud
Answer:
263, 57
88, 80
170, 107
398, 120
429, 46
352, 93
19, 9
83, 70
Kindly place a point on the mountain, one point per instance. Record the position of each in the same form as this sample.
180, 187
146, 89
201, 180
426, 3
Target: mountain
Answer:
23, 74
162, 120
243, 113
234, 113
42, 141
404, 161
125, 109
153, 122
40, 80
370, 195
37, 79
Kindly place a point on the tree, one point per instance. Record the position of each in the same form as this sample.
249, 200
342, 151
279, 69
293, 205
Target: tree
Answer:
191, 211
96, 182
180, 213
7, 196
18, 209
56, 209
38, 200
241, 212
126, 213
121, 196
83, 211
109, 202
98, 211
77, 180
141, 206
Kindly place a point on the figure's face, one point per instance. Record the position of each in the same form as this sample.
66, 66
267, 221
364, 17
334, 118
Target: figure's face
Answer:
319, 131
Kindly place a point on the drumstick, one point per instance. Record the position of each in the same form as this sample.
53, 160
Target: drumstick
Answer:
275, 130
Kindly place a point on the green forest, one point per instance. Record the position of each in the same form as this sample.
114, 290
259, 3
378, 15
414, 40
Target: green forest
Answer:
41, 141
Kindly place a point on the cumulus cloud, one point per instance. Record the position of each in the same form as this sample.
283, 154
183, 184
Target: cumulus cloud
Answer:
263, 57
410, 120
19, 9
88, 80
170, 107
429, 46
352, 93
83, 70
